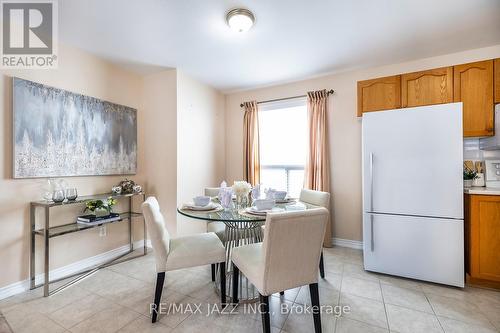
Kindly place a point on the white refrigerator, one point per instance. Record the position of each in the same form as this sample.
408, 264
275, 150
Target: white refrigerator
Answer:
413, 193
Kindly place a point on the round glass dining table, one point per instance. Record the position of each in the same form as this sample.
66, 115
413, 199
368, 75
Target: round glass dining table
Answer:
241, 228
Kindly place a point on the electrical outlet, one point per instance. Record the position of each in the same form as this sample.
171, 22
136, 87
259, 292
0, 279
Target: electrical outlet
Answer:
102, 231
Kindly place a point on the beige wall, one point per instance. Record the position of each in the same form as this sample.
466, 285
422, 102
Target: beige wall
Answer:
344, 129
200, 144
85, 74
175, 114
184, 142
159, 94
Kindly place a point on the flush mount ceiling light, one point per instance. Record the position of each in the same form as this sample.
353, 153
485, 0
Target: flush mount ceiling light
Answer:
240, 19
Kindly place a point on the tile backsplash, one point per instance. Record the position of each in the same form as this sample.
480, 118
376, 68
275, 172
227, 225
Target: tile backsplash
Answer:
472, 152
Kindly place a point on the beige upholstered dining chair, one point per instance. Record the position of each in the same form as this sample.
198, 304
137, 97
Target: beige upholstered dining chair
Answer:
287, 258
320, 199
218, 228
180, 252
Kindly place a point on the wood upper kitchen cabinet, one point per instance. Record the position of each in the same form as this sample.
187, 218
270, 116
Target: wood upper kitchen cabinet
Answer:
429, 87
473, 86
496, 66
482, 227
379, 94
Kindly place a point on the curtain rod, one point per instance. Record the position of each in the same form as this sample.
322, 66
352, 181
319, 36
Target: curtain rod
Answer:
329, 92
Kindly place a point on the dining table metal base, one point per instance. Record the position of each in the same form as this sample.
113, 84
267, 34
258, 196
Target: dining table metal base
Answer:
238, 234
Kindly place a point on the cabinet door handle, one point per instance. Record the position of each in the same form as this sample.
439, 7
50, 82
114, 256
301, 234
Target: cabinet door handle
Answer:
371, 182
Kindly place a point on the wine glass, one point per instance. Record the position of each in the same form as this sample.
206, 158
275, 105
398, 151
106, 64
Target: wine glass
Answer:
226, 197
255, 192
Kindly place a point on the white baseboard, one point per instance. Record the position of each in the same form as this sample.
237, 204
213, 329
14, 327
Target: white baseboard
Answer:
347, 243
81, 265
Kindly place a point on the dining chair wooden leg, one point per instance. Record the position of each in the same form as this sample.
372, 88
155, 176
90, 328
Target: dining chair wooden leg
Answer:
160, 279
213, 271
321, 266
236, 278
313, 290
264, 308
222, 268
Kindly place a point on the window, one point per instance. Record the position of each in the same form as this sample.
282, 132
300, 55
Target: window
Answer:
283, 144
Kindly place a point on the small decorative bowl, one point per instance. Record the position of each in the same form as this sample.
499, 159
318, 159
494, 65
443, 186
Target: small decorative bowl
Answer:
280, 195
201, 200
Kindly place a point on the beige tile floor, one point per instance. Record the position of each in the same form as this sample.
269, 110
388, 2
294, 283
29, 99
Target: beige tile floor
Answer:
116, 299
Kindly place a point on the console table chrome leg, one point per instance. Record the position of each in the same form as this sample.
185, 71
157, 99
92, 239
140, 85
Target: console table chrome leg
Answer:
46, 242
130, 224
145, 231
32, 247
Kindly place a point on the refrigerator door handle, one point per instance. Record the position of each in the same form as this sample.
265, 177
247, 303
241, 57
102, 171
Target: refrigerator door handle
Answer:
372, 241
371, 182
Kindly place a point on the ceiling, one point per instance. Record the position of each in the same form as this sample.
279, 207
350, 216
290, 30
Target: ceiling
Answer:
291, 40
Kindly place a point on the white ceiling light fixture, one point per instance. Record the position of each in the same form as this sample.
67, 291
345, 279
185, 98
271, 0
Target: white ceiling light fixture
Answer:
240, 19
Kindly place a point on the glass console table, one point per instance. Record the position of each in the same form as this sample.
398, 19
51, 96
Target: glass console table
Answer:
47, 232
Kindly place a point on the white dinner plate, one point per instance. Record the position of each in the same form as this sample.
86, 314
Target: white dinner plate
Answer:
286, 200
254, 211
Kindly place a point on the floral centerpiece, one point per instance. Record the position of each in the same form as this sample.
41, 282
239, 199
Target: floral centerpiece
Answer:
241, 189
100, 207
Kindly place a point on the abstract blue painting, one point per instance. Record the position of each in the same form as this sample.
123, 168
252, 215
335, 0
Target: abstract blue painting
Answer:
59, 133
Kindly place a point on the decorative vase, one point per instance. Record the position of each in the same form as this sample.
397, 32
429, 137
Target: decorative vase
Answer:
101, 212
127, 186
241, 188
58, 196
479, 181
116, 190
467, 183
48, 189
241, 201
71, 193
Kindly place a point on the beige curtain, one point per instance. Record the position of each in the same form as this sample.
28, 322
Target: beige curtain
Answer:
317, 171
251, 158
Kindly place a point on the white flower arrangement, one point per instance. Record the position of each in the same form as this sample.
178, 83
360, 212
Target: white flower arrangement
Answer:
241, 188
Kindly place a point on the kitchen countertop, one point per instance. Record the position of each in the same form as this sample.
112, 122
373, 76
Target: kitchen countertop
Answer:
482, 190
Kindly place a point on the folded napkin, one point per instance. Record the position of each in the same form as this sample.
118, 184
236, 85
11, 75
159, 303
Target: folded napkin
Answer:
256, 192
